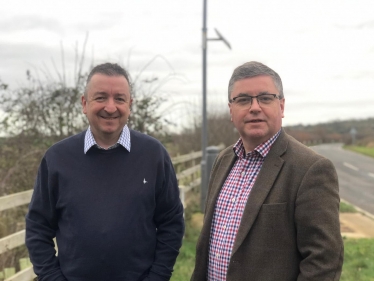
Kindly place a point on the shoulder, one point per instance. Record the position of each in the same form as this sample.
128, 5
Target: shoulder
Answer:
69, 143
138, 137
296, 148
227, 155
145, 143
227, 151
299, 155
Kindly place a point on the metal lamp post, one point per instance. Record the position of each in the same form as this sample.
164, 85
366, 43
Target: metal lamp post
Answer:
204, 133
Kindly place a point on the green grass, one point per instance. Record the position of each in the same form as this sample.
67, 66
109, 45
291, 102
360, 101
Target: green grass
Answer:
358, 260
369, 151
185, 262
358, 257
347, 208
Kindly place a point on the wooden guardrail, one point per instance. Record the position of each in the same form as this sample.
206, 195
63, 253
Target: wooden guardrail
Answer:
187, 168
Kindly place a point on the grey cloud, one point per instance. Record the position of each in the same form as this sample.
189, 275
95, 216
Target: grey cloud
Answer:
17, 58
30, 22
355, 75
179, 62
105, 21
329, 105
9, 51
367, 24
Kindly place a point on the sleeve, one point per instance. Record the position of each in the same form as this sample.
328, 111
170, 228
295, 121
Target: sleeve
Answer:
317, 224
170, 226
41, 226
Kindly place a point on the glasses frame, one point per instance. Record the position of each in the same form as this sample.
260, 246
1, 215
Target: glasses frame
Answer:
232, 101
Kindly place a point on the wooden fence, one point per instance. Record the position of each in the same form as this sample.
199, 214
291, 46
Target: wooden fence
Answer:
186, 166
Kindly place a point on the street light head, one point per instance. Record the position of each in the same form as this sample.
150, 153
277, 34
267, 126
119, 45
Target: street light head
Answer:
223, 38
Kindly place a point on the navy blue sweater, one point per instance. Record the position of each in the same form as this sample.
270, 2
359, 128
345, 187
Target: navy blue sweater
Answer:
116, 214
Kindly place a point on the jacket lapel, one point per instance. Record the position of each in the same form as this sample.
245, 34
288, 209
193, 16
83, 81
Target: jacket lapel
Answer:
217, 181
264, 182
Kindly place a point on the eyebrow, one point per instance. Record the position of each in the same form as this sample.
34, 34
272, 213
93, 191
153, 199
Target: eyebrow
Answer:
247, 95
106, 94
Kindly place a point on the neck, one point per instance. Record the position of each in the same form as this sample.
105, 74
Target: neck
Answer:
250, 146
106, 141
106, 146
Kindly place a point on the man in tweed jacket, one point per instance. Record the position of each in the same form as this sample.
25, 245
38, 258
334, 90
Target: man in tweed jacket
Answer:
272, 211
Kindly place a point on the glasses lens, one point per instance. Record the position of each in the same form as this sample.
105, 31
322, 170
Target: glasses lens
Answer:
243, 101
265, 99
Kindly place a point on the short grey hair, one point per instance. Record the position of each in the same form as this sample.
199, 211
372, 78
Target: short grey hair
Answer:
109, 69
252, 69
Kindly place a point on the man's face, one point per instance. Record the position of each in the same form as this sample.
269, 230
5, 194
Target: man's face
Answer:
107, 105
256, 124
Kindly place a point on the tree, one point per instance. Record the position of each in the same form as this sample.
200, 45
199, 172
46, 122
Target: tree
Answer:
50, 109
149, 96
46, 107
220, 131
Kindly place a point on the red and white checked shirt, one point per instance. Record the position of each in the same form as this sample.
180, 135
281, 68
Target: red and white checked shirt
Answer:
230, 206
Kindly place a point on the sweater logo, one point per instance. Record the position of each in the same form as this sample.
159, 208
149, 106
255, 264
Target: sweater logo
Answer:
144, 181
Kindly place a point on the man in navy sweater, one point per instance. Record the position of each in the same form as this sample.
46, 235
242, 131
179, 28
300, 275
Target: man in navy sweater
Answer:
109, 195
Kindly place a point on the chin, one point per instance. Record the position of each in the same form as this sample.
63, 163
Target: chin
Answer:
109, 131
256, 133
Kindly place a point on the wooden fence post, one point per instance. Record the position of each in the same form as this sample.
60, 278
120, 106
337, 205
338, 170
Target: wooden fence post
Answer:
9, 271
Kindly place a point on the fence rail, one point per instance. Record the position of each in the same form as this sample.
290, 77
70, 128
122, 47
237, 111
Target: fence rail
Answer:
15, 200
188, 175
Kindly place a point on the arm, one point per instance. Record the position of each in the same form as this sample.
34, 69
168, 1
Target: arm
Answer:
317, 224
170, 226
41, 226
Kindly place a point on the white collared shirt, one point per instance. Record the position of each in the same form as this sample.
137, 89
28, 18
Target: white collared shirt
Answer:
124, 140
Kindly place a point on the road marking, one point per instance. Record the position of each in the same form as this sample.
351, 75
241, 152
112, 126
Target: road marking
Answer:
371, 175
350, 166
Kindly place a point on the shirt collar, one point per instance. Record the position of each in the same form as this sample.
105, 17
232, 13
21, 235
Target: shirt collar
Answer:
263, 148
124, 139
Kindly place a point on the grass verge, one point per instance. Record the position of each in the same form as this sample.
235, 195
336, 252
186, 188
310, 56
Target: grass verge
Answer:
358, 260
368, 151
186, 260
358, 254
346, 208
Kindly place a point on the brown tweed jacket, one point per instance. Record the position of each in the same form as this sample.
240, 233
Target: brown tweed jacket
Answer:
290, 226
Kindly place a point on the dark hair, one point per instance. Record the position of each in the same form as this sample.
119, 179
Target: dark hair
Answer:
252, 69
109, 69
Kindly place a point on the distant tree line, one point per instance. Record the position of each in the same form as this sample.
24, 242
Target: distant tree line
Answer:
336, 131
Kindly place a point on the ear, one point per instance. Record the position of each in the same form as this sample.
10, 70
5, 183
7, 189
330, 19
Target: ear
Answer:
229, 104
130, 103
84, 104
282, 104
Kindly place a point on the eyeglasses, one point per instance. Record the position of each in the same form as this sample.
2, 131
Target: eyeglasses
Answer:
245, 102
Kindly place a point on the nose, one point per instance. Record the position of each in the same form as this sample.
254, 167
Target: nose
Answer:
255, 106
110, 106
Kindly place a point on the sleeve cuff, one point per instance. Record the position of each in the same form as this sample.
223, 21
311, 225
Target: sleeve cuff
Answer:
55, 276
156, 277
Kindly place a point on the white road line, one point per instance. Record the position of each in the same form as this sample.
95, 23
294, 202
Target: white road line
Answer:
371, 175
350, 166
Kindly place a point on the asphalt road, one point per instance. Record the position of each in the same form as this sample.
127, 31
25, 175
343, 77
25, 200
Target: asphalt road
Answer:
355, 173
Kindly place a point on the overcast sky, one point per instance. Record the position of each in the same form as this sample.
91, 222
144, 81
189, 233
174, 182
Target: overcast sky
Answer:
322, 49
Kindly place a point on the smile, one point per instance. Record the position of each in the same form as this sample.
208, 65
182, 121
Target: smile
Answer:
255, 121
